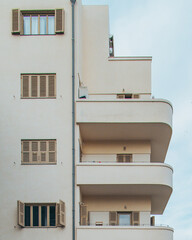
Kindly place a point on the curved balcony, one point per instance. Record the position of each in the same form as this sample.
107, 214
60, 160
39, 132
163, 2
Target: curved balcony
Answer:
121, 233
128, 179
123, 120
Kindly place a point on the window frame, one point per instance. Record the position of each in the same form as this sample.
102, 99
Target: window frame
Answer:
37, 14
18, 21
40, 205
124, 213
38, 152
59, 214
47, 86
124, 156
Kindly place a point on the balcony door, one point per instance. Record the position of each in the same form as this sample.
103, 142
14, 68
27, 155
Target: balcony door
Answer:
124, 219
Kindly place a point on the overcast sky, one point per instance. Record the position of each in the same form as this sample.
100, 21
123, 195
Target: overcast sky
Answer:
163, 29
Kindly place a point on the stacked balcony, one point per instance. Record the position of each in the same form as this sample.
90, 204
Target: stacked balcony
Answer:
121, 170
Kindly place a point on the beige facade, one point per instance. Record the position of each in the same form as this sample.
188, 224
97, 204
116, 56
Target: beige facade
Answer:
121, 133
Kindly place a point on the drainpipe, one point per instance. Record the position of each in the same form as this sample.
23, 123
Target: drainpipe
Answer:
73, 119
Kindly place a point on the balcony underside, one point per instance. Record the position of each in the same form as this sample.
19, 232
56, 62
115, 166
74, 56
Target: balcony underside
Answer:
122, 233
158, 134
127, 120
127, 180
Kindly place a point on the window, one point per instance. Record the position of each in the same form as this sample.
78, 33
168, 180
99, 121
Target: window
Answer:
38, 151
127, 96
124, 218
37, 22
111, 46
38, 85
123, 158
41, 214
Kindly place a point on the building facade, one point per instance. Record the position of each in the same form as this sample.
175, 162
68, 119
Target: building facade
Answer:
83, 166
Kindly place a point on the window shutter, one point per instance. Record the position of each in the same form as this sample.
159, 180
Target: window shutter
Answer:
135, 218
153, 221
119, 158
121, 96
61, 213
59, 20
25, 86
15, 21
112, 218
52, 152
21, 213
84, 215
51, 84
135, 95
128, 158
34, 86
42, 86
25, 151
34, 151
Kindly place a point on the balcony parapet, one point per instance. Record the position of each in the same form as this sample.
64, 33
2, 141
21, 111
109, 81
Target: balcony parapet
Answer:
131, 58
119, 232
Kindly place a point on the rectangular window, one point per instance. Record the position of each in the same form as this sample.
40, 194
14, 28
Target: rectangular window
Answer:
37, 22
38, 152
124, 158
38, 85
127, 96
41, 214
124, 218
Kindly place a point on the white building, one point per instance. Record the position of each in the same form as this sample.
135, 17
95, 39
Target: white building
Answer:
92, 168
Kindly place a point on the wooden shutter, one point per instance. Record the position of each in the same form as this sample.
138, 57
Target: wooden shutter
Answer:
119, 158
135, 218
135, 95
35, 151
25, 86
128, 157
52, 151
15, 21
59, 20
51, 85
113, 218
153, 221
42, 86
21, 213
121, 96
25, 151
61, 213
34, 86
83, 215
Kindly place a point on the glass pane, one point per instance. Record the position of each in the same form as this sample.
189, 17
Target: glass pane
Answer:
26, 22
35, 216
124, 219
27, 215
43, 24
43, 215
51, 24
52, 215
34, 24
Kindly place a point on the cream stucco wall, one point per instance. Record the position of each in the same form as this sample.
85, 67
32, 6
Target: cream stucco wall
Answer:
115, 147
117, 203
34, 119
102, 74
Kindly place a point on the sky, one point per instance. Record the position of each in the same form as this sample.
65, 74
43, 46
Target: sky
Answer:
163, 29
